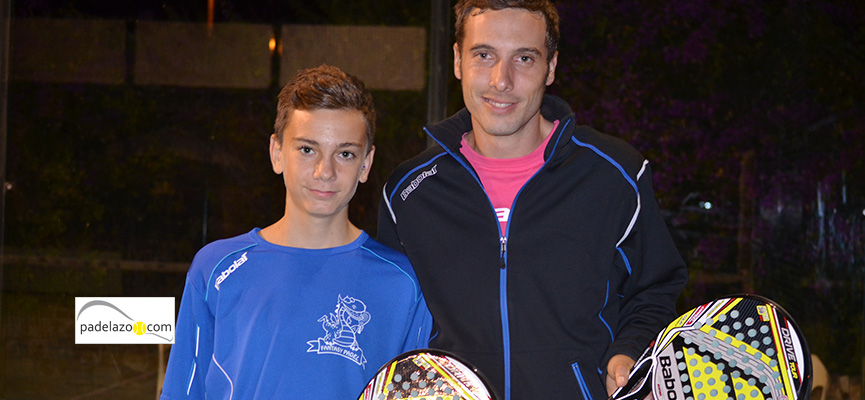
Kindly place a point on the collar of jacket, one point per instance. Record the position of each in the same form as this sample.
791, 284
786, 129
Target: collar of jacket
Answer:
448, 133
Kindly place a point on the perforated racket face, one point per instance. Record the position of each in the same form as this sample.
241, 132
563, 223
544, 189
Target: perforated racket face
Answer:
427, 374
735, 348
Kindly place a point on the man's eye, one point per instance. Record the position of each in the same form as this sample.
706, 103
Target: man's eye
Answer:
526, 59
346, 155
305, 149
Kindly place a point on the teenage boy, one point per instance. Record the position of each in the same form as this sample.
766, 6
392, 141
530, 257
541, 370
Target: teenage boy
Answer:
310, 306
538, 242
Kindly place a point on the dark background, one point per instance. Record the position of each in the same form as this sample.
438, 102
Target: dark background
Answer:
752, 114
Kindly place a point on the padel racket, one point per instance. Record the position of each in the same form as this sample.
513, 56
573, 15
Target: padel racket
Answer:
427, 374
743, 347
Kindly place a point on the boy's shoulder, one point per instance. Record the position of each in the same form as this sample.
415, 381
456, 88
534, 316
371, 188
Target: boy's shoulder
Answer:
373, 244
217, 251
386, 253
390, 256
396, 263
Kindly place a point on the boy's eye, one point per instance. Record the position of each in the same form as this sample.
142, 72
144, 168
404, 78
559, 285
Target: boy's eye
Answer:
305, 149
347, 154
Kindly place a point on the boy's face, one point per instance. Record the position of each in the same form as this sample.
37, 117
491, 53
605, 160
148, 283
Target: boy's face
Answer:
322, 158
502, 65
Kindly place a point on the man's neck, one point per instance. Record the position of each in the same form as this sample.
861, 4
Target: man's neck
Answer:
311, 233
514, 145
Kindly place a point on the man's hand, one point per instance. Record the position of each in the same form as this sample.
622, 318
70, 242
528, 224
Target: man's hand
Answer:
617, 372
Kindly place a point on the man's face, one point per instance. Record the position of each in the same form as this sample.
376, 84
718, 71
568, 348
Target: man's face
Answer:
322, 158
503, 69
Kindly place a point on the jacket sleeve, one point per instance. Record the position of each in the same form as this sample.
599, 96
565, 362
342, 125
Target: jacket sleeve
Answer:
658, 276
420, 329
190, 355
386, 231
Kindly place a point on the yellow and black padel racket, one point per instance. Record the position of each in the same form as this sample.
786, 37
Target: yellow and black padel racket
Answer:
427, 374
742, 347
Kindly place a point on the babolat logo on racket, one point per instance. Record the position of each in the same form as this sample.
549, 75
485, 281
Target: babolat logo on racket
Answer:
124, 320
735, 348
671, 384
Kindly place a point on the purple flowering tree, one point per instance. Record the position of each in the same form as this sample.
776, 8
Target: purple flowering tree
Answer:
753, 117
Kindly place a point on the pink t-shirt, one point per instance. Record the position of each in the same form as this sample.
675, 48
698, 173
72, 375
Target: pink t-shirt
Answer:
503, 177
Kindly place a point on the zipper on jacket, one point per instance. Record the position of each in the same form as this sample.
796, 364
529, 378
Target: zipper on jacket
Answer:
504, 250
503, 240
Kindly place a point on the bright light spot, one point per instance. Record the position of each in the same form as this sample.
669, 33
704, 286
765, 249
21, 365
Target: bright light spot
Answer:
272, 44
863, 212
706, 205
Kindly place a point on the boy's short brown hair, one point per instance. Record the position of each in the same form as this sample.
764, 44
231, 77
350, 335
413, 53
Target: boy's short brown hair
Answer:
325, 87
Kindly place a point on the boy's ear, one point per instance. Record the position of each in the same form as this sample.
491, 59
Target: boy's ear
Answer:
275, 154
366, 166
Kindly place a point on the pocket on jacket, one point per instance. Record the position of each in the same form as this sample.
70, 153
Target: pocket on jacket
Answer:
588, 380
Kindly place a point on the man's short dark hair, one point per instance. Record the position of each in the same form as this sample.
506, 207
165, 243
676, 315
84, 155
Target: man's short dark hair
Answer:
466, 8
324, 87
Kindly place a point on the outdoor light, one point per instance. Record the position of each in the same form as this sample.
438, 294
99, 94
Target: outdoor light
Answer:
706, 205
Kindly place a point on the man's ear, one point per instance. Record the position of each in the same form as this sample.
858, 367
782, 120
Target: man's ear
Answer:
366, 166
551, 73
457, 62
276, 154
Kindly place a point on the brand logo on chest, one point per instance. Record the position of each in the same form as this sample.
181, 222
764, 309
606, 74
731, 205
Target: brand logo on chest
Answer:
341, 327
417, 181
228, 271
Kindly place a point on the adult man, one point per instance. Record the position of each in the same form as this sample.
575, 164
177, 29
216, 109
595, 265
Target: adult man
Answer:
310, 306
538, 243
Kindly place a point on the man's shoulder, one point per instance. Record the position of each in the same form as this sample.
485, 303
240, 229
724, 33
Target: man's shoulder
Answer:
555, 108
425, 157
446, 134
615, 149
410, 174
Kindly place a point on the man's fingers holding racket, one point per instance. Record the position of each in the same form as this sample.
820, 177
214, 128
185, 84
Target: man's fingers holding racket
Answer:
743, 347
618, 369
